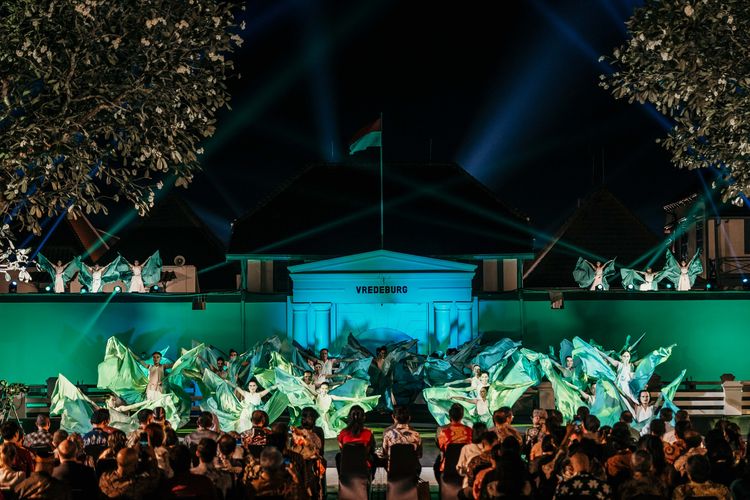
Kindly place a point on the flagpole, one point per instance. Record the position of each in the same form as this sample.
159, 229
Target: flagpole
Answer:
381, 182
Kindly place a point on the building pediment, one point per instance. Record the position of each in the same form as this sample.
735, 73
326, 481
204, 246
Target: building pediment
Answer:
381, 261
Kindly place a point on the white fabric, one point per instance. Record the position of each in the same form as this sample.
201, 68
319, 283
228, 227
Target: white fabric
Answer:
96, 281
684, 283
598, 276
59, 282
136, 282
155, 386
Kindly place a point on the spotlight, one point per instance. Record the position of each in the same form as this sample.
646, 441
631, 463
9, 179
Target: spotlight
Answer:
48, 288
744, 281
118, 289
631, 287
708, 286
84, 289
13, 286
669, 285
155, 288
600, 287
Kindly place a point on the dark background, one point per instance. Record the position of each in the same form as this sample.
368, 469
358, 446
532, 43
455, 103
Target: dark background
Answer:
509, 90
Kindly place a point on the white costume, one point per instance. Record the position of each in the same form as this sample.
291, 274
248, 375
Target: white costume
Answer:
648, 284
598, 275
136, 282
251, 401
59, 281
155, 387
96, 280
684, 283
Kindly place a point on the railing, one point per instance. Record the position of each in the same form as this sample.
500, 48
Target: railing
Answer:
734, 265
730, 398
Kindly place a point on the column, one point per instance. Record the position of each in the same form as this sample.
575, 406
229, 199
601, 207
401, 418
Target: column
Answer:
299, 323
732, 397
546, 395
464, 322
322, 334
442, 324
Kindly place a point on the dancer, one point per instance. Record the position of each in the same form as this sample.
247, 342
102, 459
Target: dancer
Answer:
332, 404
138, 277
76, 409
60, 273
515, 372
234, 406
156, 374
619, 381
141, 385
683, 275
644, 281
480, 406
96, 276
594, 276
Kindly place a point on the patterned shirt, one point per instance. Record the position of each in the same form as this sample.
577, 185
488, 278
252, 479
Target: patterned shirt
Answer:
707, 489
135, 487
504, 431
453, 433
255, 436
583, 485
39, 439
401, 434
95, 437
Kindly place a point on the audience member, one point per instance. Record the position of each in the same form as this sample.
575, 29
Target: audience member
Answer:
99, 435
503, 418
8, 476
80, 478
205, 424
185, 484
699, 485
41, 438
401, 433
11, 432
40, 484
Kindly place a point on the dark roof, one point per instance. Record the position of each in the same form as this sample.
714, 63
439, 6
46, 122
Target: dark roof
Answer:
602, 228
173, 228
334, 209
71, 238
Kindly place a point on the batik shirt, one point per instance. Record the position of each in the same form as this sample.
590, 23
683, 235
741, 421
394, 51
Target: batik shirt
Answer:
38, 439
708, 489
401, 434
583, 486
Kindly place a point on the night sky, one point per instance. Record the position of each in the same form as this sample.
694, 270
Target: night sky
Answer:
512, 96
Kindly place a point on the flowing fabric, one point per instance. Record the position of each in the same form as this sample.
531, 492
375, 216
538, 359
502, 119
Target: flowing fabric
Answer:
587, 276
60, 276
76, 409
235, 414
93, 280
641, 280
568, 397
683, 278
516, 371
122, 373
333, 407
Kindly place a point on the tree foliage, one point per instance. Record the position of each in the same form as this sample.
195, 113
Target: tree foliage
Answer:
691, 60
102, 100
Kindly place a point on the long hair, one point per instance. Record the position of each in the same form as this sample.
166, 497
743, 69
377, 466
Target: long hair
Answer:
356, 420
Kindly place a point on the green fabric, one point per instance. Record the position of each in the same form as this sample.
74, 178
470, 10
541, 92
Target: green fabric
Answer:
584, 273
515, 374
76, 409
672, 268
150, 271
369, 140
71, 268
567, 395
121, 373
633, 278
110, 272
235, 414
333, 420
